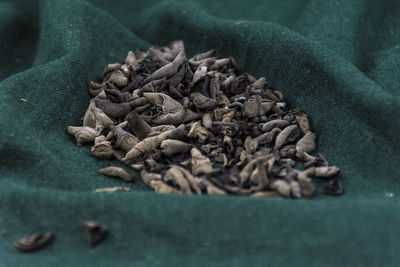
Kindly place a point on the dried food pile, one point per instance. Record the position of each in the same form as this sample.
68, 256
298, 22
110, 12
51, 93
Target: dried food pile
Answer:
173, 118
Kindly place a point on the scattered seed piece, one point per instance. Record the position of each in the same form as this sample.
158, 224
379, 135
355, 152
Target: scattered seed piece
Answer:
117, 172
95, 233
33, 242
112, 189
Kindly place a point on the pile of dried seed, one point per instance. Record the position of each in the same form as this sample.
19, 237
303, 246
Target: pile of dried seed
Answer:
172, 118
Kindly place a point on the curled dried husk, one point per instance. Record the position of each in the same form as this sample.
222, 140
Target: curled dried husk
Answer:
283, 135
95, 116
281, 187
112, 189
95, 88
212, 189
326, 171
139, 127
33, 242
124, 140
172, 112
171, 147
176, 176
262, 194
198, 132
169, 69
118, 78
147, 177
84, 134
117, 172
200, 164
131, 61
253, 107
302, 119
268, 126
203, 102
306, 144
207, 120
103, 150
295, 189
113, 110
161, 187
146, 145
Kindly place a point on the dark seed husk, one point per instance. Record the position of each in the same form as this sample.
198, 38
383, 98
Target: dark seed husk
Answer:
95, 233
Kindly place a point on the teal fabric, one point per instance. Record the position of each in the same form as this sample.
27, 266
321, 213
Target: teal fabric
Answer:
338, 60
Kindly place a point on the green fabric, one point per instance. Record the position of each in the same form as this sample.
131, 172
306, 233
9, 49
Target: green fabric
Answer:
338, 60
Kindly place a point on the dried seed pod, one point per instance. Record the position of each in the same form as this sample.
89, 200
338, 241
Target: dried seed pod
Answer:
112, 189
118, 78
171, 147
252, 107
220, 63
306, 185
260, 83
95, 88
172, 112
200, 163
283, 135
334, 187
306, 144
268, 126
326, 171
117, 172
302, 119
99, 139
167, 53
212, 189
311, 160
202, 102
169, 69
199, 73
139, 126
34, 242
199, 132
262, 194
161, 187
175, 175
295, 189
147, 177
131, 61
110, 68
124, 140
84, 134
248, 169
204, 55
114, 110
155, 85
95, 116
194, 183
282, 187
103, 150
95, 233
207, 120
146, 145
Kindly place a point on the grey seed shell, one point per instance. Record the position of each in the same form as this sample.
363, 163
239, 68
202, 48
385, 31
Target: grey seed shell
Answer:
171, 147
283, 135
282, 187
268, 126
117, 172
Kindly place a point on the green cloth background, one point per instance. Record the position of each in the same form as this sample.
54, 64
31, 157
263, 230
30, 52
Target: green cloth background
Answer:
339, 60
